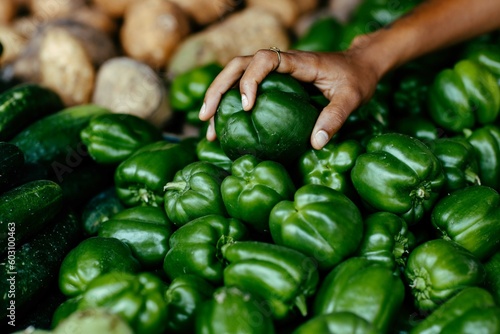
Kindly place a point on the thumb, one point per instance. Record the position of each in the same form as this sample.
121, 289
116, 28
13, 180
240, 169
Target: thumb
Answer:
332, 117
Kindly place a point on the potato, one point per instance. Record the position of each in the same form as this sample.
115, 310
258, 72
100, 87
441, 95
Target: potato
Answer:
287, 10
13, 44
114, 8
98, 46
49, 9
241, 33
66, 67
96, 18
8, 9
125, 85
152, 29
203, 12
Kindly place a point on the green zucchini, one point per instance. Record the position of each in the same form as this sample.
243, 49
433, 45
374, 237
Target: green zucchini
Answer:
33, 268
23, 104
11, 163
54, 140
27, 209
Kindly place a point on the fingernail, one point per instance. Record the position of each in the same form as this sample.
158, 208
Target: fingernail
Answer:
321, 138
244, 100
203, 109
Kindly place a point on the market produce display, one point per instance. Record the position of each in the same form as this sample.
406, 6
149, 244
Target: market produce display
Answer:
117, 215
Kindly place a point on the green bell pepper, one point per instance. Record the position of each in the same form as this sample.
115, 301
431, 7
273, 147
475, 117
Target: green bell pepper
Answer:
366, 122
398, 174
470, 217
146, 229
210, 151
492, 282
486, 142
460, 307
323, 35
91, 258
194, 192
417, 126
187, 90
139, 180
137, 299
282, 277
195, 248
336, 322
184, 298
410, 92
231, 310
364, 287
112, 138
253, 188
330, 166
487, 55
320, 222
459, 162
464, 97
438, 269
386, 240
278, 127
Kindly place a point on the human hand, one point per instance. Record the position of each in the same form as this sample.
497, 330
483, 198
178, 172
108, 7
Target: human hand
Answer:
344, 78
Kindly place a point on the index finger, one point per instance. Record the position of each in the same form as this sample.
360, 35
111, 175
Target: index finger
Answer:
226, 79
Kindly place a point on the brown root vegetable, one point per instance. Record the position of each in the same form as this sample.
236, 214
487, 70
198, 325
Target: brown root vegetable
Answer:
204, 12
241, 33
27, 25
125, 85
152, 30
66, 67
98, 46
96, 18
114, 8
13, 44
288, 11
343, 9
8, 9
49, 9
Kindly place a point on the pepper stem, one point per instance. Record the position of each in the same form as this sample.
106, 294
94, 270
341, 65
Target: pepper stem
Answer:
472, 177
178, 185
300, 302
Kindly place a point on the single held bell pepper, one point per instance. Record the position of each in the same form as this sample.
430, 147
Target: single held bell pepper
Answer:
231, 310
282, 277
188, 89
464, 97
138, 299
460, 307
91, 258
184, 297
398, 174
322, 36
277, 128
470, 217
253, 188
330, 166
320, 222
195, 248
459, 162
112, 138
139, 180
146, 229
438, 269
336, 322
210, 151
386, 240
194, 192
492, 282
486, 142
363, 287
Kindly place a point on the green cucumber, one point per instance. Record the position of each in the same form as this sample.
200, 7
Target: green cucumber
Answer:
54, 140
23, 104
28, 272
11, 163
27, 209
